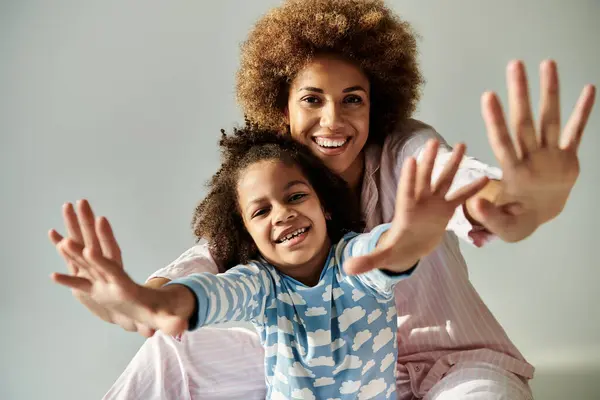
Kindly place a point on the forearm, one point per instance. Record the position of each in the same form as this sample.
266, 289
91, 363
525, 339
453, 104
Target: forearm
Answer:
156, 283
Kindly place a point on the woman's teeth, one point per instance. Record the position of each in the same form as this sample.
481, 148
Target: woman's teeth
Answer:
330, 142
293, 235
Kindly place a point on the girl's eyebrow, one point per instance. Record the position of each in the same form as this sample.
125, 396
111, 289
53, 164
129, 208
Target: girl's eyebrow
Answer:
293, 183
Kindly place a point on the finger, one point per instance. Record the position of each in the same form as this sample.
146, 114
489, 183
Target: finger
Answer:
549, 105
108, 269
54, 236
144, 330
108, 243
72, 250
521, 117
86, 218
496, 220
72, 223
362, 264
578, 120
73, 282
498, 136
464, 193
425, 168
445, 179
406, 186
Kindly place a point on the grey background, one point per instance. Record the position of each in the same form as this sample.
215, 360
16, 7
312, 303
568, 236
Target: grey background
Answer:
121, 102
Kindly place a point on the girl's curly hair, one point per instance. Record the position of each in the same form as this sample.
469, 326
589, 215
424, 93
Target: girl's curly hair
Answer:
218, 219
364, 32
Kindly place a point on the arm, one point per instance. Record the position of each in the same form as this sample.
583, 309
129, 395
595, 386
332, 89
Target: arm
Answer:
231, 296
422, 212
237, 295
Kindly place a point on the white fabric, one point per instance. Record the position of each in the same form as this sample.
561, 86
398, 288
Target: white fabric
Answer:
479, 381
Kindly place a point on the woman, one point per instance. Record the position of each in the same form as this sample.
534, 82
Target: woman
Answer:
341, 76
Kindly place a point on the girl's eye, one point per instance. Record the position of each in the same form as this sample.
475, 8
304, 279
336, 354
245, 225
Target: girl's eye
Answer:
260, 212
353, 99
297, 196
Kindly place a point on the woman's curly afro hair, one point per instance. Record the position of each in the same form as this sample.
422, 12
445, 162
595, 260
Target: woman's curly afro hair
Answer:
218, 219
364, 32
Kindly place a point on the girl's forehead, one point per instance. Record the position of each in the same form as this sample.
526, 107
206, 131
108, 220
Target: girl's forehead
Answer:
268, 176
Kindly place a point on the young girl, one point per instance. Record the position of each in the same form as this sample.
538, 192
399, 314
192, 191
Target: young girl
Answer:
325, 313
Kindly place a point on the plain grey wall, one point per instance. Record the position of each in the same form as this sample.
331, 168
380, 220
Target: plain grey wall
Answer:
121, 102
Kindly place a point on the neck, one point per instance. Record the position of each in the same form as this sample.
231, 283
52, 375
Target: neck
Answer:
309, 272
353, 175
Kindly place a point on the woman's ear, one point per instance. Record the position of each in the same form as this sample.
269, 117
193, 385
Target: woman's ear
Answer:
286, 115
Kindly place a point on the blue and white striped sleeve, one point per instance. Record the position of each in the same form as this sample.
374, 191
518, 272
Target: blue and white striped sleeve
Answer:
240, 294
376, 281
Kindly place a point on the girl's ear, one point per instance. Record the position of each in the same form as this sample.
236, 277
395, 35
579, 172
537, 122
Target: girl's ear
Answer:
286, 115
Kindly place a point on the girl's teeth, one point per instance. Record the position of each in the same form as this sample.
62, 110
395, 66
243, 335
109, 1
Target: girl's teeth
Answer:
293, 235
330, 143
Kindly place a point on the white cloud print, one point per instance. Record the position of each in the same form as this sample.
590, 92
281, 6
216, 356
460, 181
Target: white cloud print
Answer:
361, 338
285, 350
382, 338
297, 299
391, 313
374, 315
350, 362
368, 366
281, 377
284, 297
349, 387
324, 382
298, 369
320, 337
315, 311
337, 344
327, 293
386, 362
357, 295
278, 396
350, 316
285, 325
321, 361
304, 394
372, 389
337, 293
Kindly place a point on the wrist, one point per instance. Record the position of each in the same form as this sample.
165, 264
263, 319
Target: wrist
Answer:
180, 301
491, 192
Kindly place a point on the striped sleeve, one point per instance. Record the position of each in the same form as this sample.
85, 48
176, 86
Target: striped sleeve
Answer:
237, 295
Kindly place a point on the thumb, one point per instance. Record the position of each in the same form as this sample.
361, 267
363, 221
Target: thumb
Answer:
495, 219
362, 264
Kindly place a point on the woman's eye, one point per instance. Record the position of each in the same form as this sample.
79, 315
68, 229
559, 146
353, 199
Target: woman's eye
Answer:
353, 99
311, 100
297, 196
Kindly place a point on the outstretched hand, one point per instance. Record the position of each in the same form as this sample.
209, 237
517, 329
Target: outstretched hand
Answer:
423, 210
540, 165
